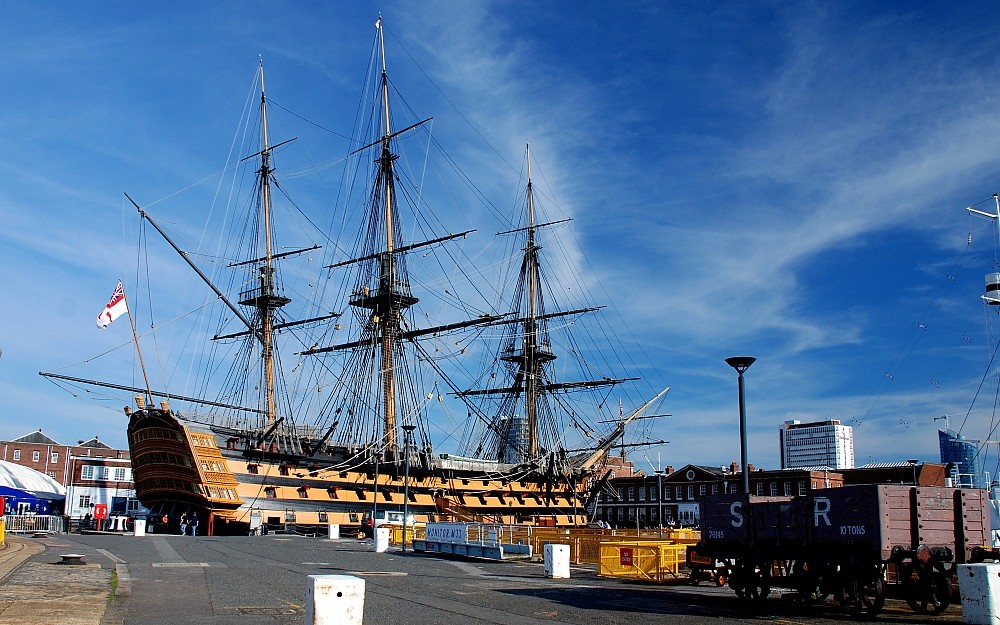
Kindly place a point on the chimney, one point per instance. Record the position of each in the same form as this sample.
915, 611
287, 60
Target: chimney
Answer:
733, 467
670, 470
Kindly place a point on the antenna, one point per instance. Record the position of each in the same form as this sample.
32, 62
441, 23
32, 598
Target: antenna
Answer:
947, 420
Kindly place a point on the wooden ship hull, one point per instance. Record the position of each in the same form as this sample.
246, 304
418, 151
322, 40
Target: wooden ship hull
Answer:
225, 476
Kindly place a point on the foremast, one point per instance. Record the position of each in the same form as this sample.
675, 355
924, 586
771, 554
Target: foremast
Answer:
527, 349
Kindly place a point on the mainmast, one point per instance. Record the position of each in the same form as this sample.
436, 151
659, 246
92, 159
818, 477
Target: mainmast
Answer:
387, 275
533, 354
263, 298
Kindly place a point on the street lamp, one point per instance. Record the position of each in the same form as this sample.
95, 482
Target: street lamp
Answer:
407, 430
659, 499
741, 364
913, 463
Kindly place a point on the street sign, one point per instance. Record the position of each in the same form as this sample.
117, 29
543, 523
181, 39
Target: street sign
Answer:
100, 511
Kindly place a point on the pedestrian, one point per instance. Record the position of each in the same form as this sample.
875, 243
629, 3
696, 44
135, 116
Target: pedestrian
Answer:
184, 524
194, 523
166, 523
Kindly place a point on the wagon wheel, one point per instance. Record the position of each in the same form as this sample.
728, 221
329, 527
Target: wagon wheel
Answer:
751, 583
810, 583
927, 589
862, 592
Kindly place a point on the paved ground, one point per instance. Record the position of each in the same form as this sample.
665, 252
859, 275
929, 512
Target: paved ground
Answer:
177, 580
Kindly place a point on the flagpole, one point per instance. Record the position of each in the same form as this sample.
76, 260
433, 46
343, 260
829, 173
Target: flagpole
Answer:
135, 337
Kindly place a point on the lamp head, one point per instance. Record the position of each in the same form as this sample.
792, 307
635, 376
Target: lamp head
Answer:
740, 363
409, 427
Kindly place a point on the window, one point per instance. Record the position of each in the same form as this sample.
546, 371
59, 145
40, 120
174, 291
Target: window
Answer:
120, 474
679, 492
802, 487
774, 488
36, 456
788, 488
87, 472
84, 501
51, 474
252, 468
691, 492
703, 489
17, 455
760, 488
631, 493
270, 492
303, 492
715, 489
55, 456
642, 494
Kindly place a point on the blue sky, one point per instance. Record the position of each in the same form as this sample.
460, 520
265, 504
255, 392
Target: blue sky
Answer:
784, 180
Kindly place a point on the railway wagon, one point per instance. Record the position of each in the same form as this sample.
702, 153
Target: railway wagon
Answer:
843, 542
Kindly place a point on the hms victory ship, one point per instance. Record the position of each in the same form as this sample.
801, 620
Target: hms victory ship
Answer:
355, 424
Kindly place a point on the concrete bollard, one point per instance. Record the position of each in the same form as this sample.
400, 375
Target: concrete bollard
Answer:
139, 527
335, 600
556, 559
381, 539
979, 585
333, 531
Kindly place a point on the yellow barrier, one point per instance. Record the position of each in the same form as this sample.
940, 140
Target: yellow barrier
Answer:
585, 544
3, 533
654, 561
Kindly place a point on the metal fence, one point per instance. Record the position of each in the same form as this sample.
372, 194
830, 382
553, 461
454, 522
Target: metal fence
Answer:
31, 523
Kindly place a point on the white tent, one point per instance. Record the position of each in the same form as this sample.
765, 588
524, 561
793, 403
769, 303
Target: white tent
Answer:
27, 479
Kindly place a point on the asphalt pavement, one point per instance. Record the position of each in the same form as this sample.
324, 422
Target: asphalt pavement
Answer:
177, 580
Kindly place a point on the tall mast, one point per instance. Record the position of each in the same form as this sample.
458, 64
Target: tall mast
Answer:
533, 373
387, 269
264, 299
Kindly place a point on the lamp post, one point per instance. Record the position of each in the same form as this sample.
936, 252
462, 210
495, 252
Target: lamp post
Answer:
741, 364
407, 430
659, 500
913, 463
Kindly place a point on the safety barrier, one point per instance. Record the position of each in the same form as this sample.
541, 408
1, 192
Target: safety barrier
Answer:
655, 561
585, 544
31, 523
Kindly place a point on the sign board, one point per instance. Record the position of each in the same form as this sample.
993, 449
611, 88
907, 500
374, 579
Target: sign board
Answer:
625, 555
100, 511
447, 532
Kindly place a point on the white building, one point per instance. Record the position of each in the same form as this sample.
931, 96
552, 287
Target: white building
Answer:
819, 444
108, 481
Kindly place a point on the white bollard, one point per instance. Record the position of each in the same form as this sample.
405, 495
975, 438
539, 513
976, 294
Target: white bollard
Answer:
381, 539
333, 531
139, 527
335, 600
556, 561
979, 585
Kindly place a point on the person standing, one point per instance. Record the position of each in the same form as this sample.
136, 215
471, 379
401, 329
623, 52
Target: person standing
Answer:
184, 524
194, 523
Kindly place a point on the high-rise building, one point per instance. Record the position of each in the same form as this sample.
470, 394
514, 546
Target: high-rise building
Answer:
963, 456
819, 444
